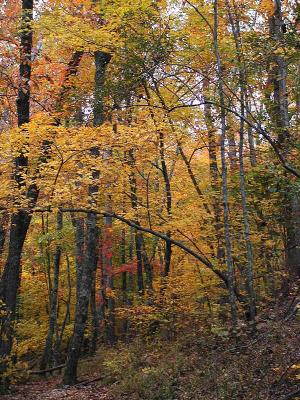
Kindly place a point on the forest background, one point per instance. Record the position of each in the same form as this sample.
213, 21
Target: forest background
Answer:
150, 195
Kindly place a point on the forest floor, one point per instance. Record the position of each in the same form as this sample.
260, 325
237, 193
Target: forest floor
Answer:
193, 365
50, 390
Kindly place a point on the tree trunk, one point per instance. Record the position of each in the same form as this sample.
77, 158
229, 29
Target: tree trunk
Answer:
47, 357
242, 83
165, 173
168, 245
94, 315
20, 220
214, 172
102, 290
280, 114
108, 266
67, 314
82, 302
92, 236
137, 235
232, 147
228, 245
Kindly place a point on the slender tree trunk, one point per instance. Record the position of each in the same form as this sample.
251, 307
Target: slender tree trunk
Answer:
46, 254
147, 266
108, 266
166, 175
137, 235
79, 251
67, 313
47, 357
232, 147
141, 254
102, 290
252, 151
228, 245
138, 249
247, 234
94, 315
124, 279
130, 255
193, 178
214, 172
123, 261
168, 245
242, 84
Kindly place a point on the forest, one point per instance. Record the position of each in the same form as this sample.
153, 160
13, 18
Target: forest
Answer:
149, 199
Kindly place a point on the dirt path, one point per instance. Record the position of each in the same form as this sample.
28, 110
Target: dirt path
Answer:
49, 390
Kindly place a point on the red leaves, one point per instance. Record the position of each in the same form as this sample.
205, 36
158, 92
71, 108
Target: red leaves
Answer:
128, 267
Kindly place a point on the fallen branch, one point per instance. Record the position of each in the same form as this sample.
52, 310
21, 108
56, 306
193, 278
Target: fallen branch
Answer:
46, 371
88, 381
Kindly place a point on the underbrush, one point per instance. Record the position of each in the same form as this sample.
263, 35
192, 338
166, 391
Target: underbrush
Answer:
206, 366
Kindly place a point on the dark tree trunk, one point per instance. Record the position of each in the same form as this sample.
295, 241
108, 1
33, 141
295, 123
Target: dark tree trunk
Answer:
20, 220
82, 302
92, 237
168, 245
280, 114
